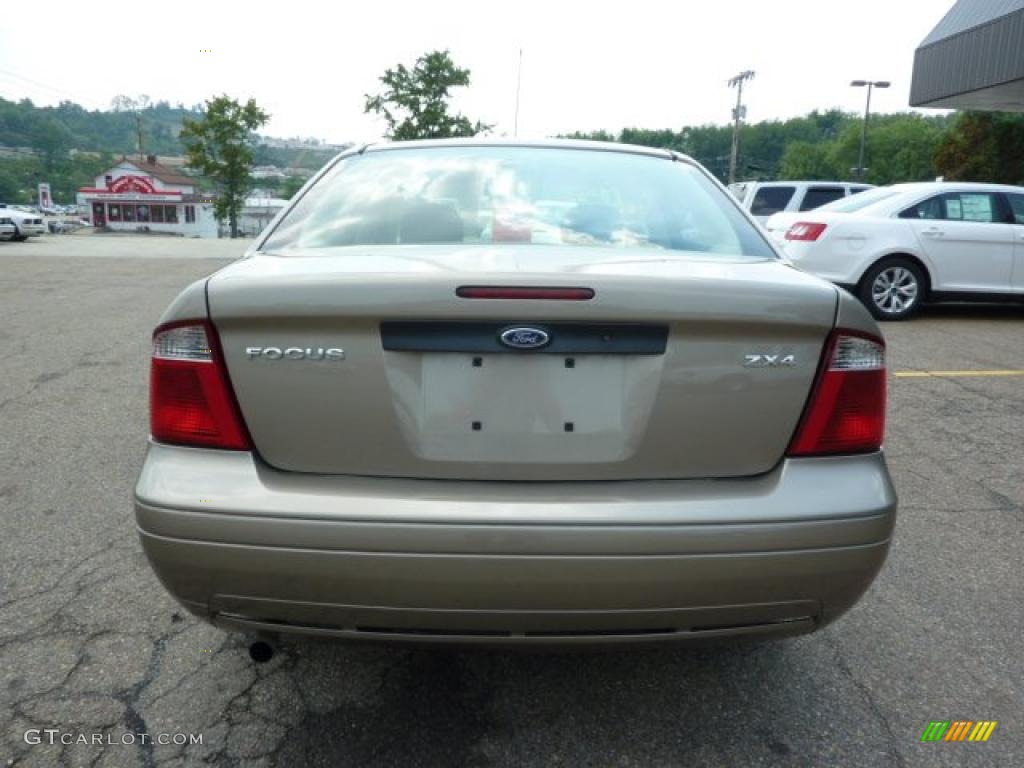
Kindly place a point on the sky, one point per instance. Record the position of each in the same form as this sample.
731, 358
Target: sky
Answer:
585, 66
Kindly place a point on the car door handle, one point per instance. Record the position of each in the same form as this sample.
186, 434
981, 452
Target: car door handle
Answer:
933, 232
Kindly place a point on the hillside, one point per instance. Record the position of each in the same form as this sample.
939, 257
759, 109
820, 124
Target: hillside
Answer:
71, 126
67, 145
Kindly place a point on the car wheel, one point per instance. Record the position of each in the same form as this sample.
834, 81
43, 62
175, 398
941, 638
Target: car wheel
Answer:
19, 238
893, 289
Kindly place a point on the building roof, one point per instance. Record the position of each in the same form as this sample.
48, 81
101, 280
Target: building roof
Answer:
968, 15
162, 172
172, 161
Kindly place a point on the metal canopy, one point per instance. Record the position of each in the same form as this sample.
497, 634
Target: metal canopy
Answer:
973, 59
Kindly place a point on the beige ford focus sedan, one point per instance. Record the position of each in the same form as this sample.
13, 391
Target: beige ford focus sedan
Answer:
516, 393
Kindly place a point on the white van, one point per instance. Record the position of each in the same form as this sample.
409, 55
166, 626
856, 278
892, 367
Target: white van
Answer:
26, 224
766, 198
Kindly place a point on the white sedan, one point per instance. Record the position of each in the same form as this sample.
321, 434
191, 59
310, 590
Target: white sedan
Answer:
897, 247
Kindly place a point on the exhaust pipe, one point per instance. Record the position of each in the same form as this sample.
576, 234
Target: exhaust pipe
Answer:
261, 651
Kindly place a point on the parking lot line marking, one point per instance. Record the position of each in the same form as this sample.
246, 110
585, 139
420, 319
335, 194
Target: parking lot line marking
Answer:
951, 374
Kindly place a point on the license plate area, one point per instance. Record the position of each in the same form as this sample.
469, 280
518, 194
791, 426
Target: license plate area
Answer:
523, 394
524, 408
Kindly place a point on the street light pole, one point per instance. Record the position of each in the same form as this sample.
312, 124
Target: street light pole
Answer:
737, 117
519, 82
867, 114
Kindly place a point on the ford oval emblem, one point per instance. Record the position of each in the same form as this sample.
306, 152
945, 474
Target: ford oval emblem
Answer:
525, 338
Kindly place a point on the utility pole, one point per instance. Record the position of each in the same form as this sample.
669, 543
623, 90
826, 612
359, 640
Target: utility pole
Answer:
134, 105
867, 114
138, 132
738, 113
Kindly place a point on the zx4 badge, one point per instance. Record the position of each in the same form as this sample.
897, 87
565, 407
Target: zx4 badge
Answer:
769, 361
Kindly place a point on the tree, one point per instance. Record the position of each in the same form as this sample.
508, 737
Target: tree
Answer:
983, 146
906, 147
220, 146
51, 141
590, 136
900, 147
804, 160
291, 185
664, 138
414, 101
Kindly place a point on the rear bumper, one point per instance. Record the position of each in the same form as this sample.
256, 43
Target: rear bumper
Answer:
246, 546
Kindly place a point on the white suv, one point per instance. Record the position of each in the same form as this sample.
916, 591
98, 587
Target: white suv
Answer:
764, 198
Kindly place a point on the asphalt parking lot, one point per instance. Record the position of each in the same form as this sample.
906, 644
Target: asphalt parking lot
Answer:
90, 643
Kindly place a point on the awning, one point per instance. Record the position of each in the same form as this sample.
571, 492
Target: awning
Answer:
973, 59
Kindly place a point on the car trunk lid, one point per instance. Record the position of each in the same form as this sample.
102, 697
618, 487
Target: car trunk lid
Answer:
677, 367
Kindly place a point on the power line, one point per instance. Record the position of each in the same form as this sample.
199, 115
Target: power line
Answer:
36, 83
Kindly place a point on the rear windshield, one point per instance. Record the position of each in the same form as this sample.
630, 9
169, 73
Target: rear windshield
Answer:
544, 196
861, 200
769, 200
815, 197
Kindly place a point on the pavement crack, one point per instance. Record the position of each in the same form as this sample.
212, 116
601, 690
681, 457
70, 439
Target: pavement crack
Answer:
1003, 503
61, 577
136, 723
133, 718
869, 697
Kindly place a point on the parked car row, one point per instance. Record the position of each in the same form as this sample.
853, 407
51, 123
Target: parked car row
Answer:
901, 246
16, 224
63, 210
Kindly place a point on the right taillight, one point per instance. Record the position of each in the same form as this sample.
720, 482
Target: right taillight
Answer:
846, 411
190, 397
805, 230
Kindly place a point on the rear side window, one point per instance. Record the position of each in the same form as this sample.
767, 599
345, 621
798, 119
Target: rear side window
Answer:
815, 197
769, 200
516, 195
1017, 206
932, 208
957, 206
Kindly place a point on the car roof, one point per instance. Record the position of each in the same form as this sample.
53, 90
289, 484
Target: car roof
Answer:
953, 186
796, 182
593, 146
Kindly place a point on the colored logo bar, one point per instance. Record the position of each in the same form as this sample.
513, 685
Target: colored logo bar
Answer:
958, 730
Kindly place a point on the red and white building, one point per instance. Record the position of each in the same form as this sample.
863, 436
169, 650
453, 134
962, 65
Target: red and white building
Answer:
146, 196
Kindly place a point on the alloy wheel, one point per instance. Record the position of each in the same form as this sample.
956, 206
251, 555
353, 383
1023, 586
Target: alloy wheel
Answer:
894, 290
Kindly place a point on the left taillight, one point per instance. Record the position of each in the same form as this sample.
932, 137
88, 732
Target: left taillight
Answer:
846, 410
806, 231
190, 397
